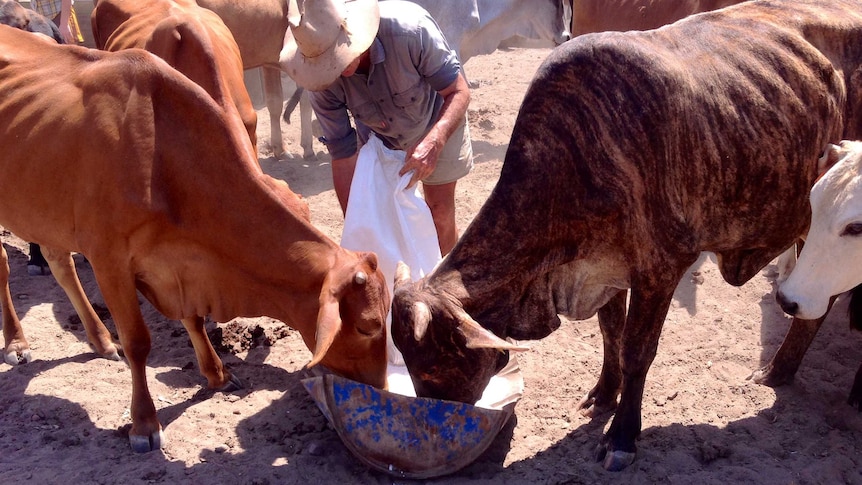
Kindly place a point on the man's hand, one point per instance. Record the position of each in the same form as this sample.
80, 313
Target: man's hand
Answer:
422, 159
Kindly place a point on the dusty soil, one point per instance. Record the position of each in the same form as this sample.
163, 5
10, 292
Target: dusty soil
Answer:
703, 420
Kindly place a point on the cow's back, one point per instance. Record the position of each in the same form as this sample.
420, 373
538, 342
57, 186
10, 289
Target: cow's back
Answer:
192, 39
681, 127
106, 128
621, 15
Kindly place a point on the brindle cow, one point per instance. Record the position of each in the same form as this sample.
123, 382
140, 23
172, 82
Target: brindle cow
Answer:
632, 153
121, 158
192, 39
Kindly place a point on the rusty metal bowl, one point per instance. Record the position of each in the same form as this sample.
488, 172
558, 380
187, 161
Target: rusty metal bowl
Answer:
404, 436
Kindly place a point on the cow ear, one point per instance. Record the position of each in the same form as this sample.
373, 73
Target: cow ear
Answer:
328, 322
830, 157
371, 259
478, 337
402, 275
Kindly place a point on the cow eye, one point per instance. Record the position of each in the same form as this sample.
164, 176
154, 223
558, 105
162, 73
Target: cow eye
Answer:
854, 229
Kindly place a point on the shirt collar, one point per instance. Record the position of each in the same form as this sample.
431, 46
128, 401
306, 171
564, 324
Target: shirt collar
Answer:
378, 55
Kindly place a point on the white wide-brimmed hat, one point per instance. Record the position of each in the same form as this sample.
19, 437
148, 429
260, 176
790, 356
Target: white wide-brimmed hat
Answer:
324, 37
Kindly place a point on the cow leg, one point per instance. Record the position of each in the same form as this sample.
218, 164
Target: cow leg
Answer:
784, 364
64, 272
121, 297
786, 262
16, 350
274, 101
306, 137
211, 366
650, 301
855, 398
603, 397
37, 264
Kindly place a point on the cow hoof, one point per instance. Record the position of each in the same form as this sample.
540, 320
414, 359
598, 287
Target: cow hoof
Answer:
613, 461
114, 352
589, 407
146, 444
14, 357
115, 356
767, 376
233, 384
618, 460
278, 152
38, 270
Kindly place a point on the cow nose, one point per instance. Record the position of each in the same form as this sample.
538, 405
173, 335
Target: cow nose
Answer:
789, 307
563, 38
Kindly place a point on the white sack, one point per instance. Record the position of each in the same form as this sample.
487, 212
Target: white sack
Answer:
384, 218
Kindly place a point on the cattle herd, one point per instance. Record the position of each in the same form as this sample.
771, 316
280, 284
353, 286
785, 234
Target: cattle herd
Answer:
731, 131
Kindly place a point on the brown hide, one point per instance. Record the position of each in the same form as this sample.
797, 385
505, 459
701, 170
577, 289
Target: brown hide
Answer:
96, 160
258, 26
632, 153
190, 38
620, 15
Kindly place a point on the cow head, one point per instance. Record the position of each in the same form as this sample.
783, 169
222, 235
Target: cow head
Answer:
350, 338
829, 263
449, 355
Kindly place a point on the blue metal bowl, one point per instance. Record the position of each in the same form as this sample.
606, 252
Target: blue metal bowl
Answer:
406, 437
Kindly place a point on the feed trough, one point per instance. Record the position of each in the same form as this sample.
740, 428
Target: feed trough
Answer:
412, 437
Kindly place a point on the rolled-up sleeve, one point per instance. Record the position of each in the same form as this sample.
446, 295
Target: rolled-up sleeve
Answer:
437, 62
339, 136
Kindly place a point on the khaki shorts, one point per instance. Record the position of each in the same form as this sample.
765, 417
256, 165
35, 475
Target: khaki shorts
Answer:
456, 160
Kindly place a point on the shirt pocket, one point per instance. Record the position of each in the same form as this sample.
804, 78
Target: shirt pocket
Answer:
369, 114
413, 102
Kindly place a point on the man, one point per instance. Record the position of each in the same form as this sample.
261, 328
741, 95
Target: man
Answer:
61, 12
388, 66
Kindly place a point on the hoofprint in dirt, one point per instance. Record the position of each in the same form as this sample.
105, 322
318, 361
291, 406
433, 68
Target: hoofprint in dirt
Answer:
61, 416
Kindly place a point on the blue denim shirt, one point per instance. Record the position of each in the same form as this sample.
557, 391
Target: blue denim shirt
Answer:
398, 99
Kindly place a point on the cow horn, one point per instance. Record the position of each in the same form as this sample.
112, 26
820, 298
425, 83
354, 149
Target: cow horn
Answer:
360, 278
478, 337
422, 314
402, 274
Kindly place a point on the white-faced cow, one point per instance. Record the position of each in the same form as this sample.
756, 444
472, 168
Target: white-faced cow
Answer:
830, 263
192, 39
123, 159
632, 153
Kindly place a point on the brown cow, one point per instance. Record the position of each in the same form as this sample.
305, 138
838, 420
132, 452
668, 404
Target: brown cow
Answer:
16, 348
192, 39
632, 153
258, 26
619, 15
123, 159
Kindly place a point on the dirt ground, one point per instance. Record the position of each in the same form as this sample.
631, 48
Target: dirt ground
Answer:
703, 420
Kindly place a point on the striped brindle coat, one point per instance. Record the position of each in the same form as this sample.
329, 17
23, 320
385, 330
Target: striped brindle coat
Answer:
633, 153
